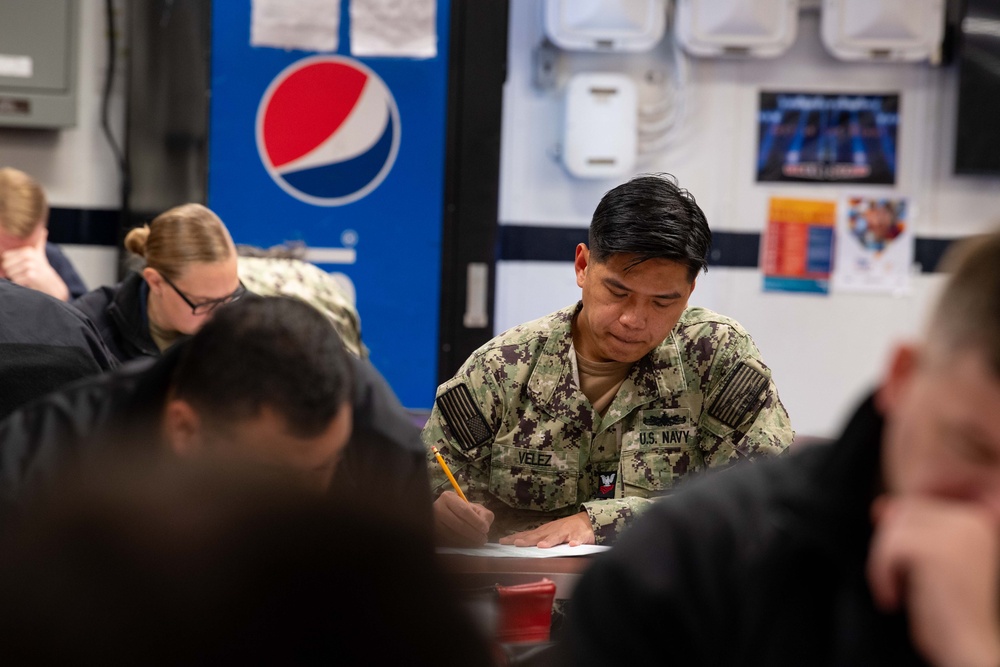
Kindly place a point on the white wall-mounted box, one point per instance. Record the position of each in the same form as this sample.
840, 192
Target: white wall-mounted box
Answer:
899, 30
601, 136
750, 28
605, 25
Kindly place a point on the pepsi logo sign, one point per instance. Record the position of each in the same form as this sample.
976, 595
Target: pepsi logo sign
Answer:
328, 130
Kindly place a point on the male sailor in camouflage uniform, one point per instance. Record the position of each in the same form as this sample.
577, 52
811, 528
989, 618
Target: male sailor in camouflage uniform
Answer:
561, 430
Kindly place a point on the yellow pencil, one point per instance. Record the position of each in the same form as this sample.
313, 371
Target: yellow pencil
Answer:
451, 478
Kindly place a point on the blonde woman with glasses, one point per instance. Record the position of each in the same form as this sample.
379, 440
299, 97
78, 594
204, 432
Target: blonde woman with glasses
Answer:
190, 270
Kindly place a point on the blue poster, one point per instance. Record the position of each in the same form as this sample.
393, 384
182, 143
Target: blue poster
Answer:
808, 137
345, 155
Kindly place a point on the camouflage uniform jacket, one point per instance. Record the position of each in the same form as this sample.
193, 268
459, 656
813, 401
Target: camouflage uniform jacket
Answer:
522, 439
274, 276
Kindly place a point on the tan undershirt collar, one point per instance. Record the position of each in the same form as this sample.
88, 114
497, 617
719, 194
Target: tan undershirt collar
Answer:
162, 337
600, 380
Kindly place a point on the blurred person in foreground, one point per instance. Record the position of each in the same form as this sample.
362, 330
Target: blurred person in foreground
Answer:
267, 379
26, 256
882, 548
170, 562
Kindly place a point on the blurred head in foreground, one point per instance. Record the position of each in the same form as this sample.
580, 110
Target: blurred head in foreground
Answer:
941, 398
180, 562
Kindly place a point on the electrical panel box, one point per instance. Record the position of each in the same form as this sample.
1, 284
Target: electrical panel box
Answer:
38, 58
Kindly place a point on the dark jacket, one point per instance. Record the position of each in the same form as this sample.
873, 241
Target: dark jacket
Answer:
61, 265
119, 313
44, 344
763, 565
383, 463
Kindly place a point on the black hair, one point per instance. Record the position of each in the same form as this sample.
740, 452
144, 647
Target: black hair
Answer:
651, 217
273, 351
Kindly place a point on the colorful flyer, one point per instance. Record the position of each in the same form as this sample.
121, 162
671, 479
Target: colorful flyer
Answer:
842, 138
874, 245
797, 252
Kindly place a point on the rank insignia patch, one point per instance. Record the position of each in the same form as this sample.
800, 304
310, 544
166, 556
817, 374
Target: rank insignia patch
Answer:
739, 396
464, 417
606, 489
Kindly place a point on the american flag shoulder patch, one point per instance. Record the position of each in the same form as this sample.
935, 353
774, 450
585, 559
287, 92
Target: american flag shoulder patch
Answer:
463, 417
740, 395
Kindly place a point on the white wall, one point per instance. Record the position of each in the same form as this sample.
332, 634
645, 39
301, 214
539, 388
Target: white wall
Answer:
825, 351
76, 165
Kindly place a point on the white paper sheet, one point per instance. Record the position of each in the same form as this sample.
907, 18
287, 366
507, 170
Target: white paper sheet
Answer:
399, 28
492, 550
307, 25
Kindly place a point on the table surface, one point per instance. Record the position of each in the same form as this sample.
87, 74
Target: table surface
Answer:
472, 572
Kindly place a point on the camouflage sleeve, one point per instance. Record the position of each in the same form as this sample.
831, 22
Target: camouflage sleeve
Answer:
608, 518
742, 417
462, 425
270, 276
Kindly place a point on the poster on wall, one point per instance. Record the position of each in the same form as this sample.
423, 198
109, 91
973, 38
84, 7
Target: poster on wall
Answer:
875, 245
797, 253
842, 138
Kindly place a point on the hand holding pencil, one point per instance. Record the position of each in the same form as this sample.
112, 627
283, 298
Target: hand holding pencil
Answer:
458, 522
447, 471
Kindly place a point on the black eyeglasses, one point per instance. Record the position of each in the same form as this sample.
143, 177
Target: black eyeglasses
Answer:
210, 305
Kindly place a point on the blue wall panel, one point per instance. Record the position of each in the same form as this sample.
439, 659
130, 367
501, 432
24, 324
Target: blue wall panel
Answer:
394, 229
